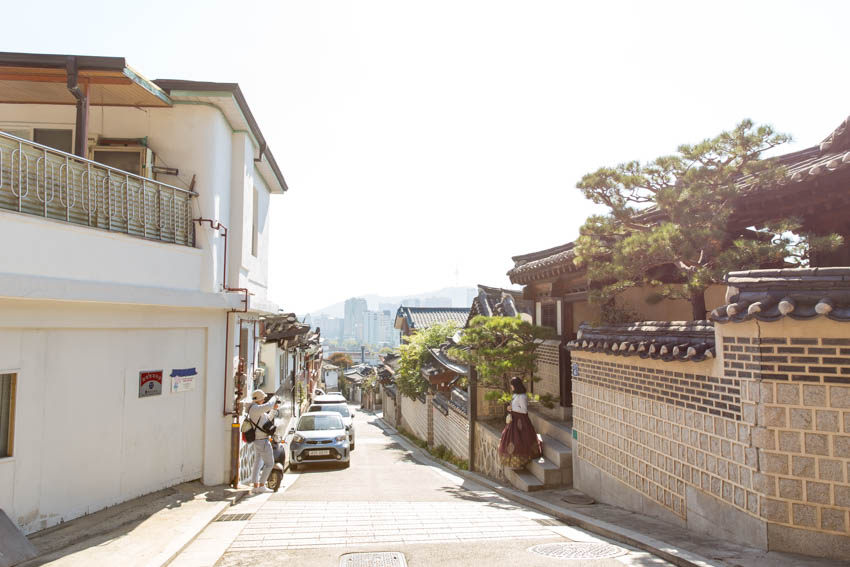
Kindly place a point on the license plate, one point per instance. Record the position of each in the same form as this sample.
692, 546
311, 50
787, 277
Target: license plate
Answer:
318, 453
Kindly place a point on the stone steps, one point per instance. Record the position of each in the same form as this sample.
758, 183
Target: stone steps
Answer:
545, 471
523, 480
559, 430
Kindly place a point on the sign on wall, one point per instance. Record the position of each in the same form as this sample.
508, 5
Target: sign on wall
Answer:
183, 379
150, 383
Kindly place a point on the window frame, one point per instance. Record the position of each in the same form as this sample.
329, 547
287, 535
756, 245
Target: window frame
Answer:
10, 451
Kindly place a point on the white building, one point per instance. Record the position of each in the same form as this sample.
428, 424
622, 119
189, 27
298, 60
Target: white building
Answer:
122, 318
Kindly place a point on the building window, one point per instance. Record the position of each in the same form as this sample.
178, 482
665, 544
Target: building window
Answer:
549, 315
7, 414
255, 230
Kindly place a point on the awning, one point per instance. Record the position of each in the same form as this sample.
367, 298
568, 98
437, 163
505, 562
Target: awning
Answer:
43, 79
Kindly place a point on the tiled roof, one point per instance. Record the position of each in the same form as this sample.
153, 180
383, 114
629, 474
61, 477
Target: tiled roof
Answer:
494, 301
419, 318
552, 265
665, 340
283, 327
801, 293
442, 359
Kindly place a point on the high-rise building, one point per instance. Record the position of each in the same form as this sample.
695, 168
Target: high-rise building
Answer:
355, 312
434, 302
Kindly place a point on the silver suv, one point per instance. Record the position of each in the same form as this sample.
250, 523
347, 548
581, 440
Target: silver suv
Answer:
341, 408
319, 437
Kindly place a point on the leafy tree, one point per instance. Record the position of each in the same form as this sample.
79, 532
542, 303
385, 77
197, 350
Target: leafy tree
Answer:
414, 352
341, 359
500, 348
670, 219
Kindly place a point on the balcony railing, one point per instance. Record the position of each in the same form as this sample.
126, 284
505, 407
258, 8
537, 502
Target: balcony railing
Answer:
38, 180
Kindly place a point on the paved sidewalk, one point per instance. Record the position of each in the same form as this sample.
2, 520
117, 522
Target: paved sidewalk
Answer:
672, 543
145, 532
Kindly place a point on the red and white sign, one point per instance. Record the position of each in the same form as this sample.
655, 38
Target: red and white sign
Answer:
150, 383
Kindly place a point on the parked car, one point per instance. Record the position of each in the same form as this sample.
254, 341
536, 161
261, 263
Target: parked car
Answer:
332, 398
319, 437
346, 413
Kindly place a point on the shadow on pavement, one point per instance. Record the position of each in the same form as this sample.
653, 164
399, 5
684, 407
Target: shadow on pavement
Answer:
116, 521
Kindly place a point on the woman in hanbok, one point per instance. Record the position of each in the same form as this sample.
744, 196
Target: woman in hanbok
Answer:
519, 444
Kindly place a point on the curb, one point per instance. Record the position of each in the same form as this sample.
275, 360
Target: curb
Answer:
670, 553
226, 503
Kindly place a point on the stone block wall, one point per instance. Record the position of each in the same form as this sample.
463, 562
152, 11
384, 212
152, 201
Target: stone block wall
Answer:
451, 429
660, 427
752, 446
414, 417
802, 426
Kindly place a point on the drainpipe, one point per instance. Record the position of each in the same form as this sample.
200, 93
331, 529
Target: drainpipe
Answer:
234, 413
81, 94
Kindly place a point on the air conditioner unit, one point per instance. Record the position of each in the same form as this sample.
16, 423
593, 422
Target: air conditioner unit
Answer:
138, 160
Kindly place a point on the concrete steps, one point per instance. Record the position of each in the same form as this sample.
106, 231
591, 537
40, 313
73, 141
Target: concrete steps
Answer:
523, 480
555, 467
559, 430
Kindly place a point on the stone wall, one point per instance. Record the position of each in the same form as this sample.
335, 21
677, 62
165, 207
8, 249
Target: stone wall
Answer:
389, 406
451, 429
801, 427
751, 446
414, 416
662, 428
487, 435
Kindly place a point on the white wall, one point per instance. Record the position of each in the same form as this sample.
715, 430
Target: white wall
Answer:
39, 247
84, 440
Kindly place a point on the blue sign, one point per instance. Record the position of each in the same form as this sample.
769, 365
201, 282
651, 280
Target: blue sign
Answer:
184, 372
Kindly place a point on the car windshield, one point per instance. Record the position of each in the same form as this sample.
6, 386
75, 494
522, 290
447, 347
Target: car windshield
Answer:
319, 423
341, 409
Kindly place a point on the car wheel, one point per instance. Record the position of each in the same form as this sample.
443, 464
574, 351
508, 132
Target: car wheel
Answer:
352, 446
275, 480
346, 464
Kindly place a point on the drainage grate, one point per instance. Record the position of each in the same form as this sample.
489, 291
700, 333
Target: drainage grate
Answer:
549, 522
234, 517
578, 550
378, 559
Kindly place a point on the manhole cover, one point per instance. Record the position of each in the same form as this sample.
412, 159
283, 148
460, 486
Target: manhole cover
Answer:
578, 550
233, 517
578, 499
378, 559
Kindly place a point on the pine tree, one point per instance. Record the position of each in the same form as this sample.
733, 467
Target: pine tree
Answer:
670, 219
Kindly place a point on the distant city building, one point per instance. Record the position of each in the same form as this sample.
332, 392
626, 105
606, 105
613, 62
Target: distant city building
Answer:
332, 327
471, 294
387, 307
436, 302
411, 302
355, 313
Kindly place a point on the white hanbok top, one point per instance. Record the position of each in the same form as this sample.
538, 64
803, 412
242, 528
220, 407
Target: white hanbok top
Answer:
519, 403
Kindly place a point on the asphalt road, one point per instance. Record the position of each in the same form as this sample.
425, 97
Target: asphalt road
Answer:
388, 502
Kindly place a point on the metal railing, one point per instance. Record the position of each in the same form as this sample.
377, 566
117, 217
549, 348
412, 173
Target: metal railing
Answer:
41, 181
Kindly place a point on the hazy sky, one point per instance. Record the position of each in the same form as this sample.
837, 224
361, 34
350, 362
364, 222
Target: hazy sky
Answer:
425, 143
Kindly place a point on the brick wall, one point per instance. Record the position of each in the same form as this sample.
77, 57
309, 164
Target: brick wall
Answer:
414, 416
803, 426
658, 428
451, 430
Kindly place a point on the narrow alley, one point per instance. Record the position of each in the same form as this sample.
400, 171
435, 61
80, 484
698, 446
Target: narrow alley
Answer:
387, 501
